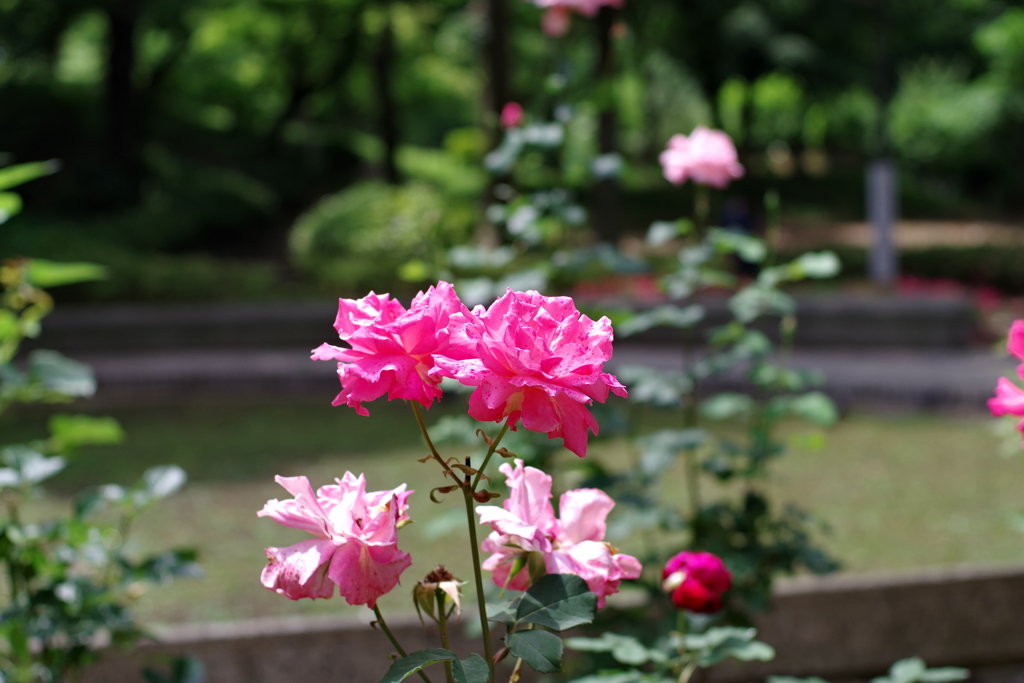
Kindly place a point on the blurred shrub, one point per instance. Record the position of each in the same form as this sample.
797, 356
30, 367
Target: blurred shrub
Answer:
360, 237
938, 115
778, 102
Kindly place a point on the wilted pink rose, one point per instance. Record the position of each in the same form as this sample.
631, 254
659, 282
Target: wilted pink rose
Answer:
1009, 398
511, 115
696, 581
355, 544
570, 545
534, 358
707, 156
391, 347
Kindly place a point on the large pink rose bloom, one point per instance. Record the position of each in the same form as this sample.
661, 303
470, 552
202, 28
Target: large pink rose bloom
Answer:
708, 157
392, 347
1009, 398
354, 544
534, 358
570, 545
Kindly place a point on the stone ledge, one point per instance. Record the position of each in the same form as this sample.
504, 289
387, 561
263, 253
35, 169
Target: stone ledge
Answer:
838, 627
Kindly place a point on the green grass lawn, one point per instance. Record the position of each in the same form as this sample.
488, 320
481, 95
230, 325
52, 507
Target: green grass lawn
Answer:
897, 492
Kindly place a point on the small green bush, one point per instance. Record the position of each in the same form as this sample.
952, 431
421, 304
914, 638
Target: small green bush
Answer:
361, 236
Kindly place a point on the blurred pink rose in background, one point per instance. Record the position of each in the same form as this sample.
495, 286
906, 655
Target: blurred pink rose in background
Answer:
533, 358
696, 581
391, 347
511, 115
558, 17
1009, 398
570, 545
708, 157
355, 544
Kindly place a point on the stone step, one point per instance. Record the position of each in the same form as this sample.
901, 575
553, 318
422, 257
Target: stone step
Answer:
825, 320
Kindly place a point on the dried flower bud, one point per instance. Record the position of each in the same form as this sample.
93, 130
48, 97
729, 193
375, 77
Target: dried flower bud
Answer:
426, 591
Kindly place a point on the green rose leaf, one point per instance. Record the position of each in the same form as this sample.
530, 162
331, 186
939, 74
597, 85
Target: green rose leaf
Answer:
542, 650
624, 649
43, 273
10, 204
473, 669
61, 374
558, 602
12, 176
84, 430
164, 480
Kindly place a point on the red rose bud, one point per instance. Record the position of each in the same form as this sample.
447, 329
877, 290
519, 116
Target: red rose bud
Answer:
696, 581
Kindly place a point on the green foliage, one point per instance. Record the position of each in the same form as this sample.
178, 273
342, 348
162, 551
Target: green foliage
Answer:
938, 114
558, 602
675, 657
913, 670
473, 669
359, 237
69, 580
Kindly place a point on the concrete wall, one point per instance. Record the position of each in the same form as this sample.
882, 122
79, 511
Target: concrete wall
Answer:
837, 627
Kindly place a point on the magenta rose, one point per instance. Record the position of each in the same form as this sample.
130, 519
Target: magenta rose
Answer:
696, 581
392, 348
533, 358
1009, 398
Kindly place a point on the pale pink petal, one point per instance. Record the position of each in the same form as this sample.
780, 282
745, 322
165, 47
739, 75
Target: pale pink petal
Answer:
365, 572
292, 514
529, 494
299, 571
582, 514
592, 562
505, 522
500, 565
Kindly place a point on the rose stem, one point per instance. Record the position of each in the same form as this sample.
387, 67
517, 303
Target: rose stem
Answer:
394, 641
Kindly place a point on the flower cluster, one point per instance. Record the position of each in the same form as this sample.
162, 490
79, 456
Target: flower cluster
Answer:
355, 544
533, 359
708, 157
572, 544
696, 581
1009, 398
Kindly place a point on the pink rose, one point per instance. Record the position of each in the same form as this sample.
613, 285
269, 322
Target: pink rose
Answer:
556, 21
355, 544
707, 156
391, 347
534, 358
587, 8
696, 581
1009, 398
570, 545
558, 15
511, 115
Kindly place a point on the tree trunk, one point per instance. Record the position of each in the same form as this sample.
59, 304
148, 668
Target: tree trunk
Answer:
606, 202
121, 106
496, 51
383, 63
